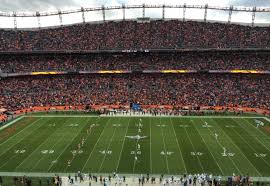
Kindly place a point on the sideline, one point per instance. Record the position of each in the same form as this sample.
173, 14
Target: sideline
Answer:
43, 174
149, 116
11, 122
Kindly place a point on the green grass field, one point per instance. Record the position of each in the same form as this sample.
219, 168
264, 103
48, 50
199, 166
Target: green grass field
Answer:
172, 145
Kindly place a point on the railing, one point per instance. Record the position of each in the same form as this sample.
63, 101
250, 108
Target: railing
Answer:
230, 11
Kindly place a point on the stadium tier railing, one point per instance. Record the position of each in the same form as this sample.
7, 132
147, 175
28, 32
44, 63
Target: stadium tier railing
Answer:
145, 107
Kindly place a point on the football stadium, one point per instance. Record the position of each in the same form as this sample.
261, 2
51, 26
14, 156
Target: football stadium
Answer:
142, 100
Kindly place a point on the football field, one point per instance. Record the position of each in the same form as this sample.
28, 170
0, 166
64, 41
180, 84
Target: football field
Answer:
133, 145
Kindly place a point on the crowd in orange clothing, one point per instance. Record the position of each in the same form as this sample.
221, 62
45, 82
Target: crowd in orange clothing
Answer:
136, 35
158, 89
143, 61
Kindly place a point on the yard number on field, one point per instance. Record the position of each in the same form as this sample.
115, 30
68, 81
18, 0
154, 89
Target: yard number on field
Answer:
106, 152
20, 151
260, 155
196, 153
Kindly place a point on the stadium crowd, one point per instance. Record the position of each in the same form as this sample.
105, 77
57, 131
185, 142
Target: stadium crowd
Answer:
143, 61
151, 89
136, 35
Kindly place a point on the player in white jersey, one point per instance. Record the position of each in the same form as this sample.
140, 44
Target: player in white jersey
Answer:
136, 158
224, 151
138, 146
216, 136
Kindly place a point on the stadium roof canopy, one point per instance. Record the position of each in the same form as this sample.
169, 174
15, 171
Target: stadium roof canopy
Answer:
233, 14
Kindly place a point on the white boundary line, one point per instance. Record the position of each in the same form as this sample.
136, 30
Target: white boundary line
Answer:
120, 155
146, 116
11, 122
151, 161
95, 144
178, 145
42, 174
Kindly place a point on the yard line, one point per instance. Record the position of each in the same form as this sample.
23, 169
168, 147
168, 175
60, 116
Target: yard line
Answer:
151, 162
194, 149
52, 146
229, 156
238, 149
107, 149
96, 121
252, 148
44, 154
178, 145
122, 146
7, 149
164, 146
207, 145
66, 147
20, 131
267, 119
24, 147
95, 144
35, 150
259, 136
247, 143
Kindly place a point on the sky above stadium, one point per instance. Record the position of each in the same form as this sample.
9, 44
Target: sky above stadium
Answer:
29, 6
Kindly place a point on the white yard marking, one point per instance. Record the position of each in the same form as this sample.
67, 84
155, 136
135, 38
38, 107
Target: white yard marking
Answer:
96, 144
218, 141
122, 146
196, 153
51, 151
73, 125
138, 137
249, 144
194, 150
228, 137
21, 151
260, 155
19, 133
136, 152
116, 125
164, 147
166, 153
50, 148
47, 151
184, 126
151, 163
74, 137
207, 145
107, 151
263, 134
178, 145
11, 122
161, 125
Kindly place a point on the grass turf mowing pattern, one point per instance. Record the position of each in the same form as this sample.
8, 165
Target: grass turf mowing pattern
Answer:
175, 145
